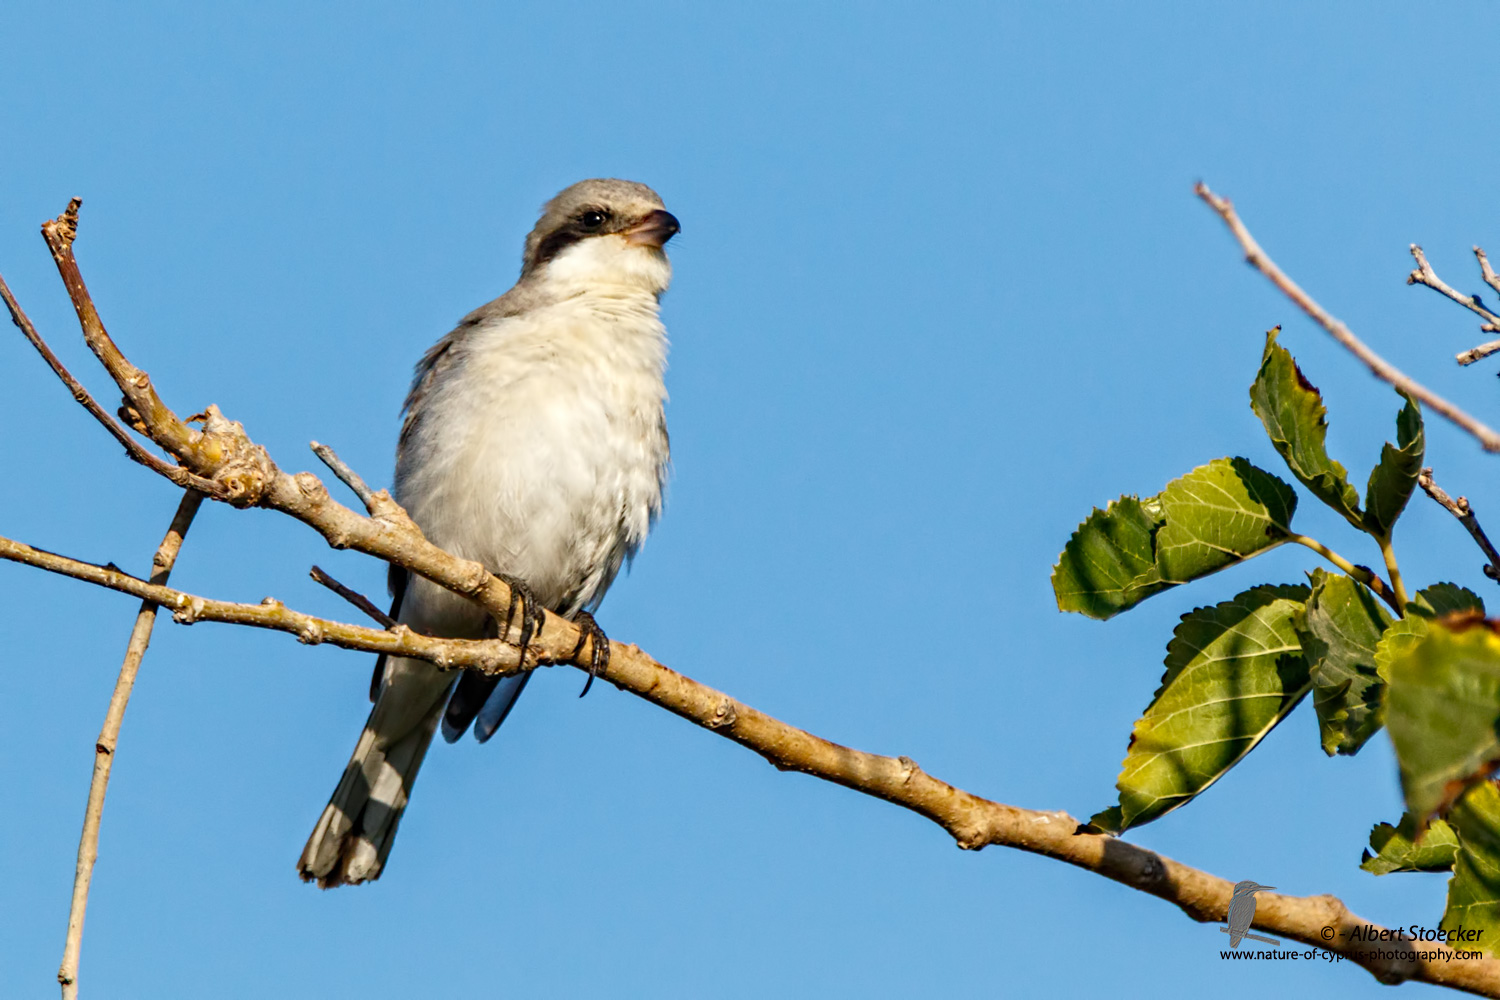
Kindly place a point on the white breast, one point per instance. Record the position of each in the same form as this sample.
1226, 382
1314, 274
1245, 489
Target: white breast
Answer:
543, 446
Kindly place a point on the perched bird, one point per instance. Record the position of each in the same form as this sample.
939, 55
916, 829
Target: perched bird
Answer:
535, 443
1242, 912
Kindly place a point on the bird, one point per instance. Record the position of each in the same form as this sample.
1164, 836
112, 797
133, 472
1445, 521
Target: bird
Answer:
534, 440
1242, 912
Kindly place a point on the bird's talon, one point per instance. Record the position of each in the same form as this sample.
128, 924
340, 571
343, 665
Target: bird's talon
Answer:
590, 632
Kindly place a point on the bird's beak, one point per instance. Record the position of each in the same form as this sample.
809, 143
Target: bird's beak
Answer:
654, 230
1265, 888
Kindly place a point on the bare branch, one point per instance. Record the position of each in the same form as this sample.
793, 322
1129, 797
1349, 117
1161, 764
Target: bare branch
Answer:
109, 734
347, 476
224, 453
1425, 275
1477, 352
354, 597
1381, 368
491, 656
1460, 509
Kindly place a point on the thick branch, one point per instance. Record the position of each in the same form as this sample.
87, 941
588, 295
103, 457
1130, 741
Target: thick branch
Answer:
1460, 509
109, 735
1381, 368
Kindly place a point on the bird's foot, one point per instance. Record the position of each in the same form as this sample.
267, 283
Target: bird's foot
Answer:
523, 604
589, 632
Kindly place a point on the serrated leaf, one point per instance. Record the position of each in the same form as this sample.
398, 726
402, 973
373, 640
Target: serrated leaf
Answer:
1213, 517
1219, 514
1474, 889
1442, 705
1234, 670
1403, 848
1392, 481
1445, 599
1339, 632
1291, 408
1430, 602
1109, 564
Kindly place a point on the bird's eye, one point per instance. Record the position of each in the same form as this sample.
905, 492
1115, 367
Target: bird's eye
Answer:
592, 220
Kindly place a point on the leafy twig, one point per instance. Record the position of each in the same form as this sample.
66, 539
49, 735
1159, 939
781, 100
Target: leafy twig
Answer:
1363, 574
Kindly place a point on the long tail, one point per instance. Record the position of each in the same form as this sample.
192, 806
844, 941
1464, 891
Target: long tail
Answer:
354, 835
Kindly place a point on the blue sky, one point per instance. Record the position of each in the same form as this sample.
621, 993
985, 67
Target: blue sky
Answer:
942, 287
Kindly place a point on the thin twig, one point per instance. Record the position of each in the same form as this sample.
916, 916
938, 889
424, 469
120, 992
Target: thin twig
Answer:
1381, 368
176, 473
1477, 352
346, 475
1490, 277
1363, 574
159, 422
492, 656
354, 597
1461, 509
109, 734
1425, 275
1393, 570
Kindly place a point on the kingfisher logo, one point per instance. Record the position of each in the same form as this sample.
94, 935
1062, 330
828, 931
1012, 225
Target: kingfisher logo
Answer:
1404, 944
1242, 913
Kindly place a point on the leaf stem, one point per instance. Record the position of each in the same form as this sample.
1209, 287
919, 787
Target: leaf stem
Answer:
1398, 589
1363, 574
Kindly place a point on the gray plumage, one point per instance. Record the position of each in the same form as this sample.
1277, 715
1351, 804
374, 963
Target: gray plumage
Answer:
535, 442
1242, 909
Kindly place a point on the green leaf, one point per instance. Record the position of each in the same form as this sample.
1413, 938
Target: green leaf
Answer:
1430, 602
1219, 514
1340, 630
1442, 705
1109, 564
1213, 517
1292, 410
1444, 599
1403, 849
1474, 890
1392, 481
1234, 671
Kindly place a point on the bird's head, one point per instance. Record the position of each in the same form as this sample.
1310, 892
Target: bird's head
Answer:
1249, 888
602, 232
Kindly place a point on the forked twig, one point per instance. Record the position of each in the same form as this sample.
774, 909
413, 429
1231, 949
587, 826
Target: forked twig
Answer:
176, 473
1425, 275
